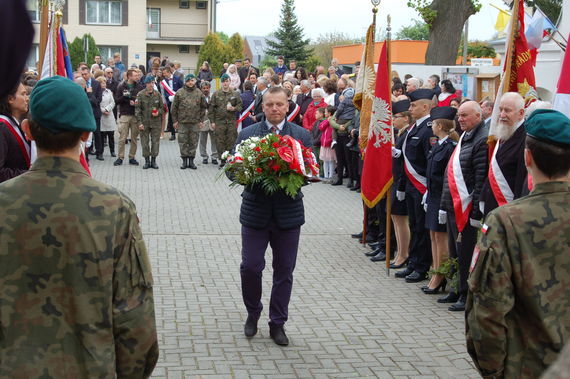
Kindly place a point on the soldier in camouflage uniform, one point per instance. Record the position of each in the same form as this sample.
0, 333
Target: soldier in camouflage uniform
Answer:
149, 109
188, 111
222, 114
518, 307
76, 296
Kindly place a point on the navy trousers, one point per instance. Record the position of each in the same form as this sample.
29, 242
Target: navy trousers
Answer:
420, 245
284, 244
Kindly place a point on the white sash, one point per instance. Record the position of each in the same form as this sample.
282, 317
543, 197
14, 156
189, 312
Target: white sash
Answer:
499, 185
462, 199
244, 115
418, 181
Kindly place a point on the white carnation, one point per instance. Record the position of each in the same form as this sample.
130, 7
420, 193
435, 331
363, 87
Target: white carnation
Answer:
225, 155
251, 145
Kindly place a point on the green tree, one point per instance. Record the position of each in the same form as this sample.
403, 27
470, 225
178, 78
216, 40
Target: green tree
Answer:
445, 20
223, 37
290, 42
312, 63
478, 49
77, 51
267, 62
235, 48
214, 51
322, 47
419, 31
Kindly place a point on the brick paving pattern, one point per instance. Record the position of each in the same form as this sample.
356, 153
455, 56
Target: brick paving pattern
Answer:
347, 318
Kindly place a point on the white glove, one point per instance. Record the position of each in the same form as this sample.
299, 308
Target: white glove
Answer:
424, 201
400, 195
396, 153
474, 223
442, 217
171, 98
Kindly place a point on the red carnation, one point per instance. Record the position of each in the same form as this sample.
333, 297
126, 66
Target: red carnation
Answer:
275, 145
259, 169
257, 148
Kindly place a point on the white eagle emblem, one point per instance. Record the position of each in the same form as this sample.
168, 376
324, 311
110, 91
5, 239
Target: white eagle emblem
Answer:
379, 127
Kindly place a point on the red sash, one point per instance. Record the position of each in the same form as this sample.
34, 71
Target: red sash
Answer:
499, 185
167, 88
294, 114
24, 147
418, 181
462, 199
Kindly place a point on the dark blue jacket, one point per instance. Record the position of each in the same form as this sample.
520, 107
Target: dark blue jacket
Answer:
436, 164
420, 140
257, 208
176, 85
247, 97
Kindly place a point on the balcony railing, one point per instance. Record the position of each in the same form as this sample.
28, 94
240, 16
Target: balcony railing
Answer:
176, 31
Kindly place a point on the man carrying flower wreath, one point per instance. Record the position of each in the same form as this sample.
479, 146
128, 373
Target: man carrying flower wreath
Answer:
273, 219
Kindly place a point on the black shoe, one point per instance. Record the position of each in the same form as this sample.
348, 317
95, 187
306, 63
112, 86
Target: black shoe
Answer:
350, 184
172, 137
153, 163
278, 335
358, 190
393, 265
435, 291
355, 188
451, 297
146, 163
380, 257
250, 327
459, 305
337, 183
133, 161
214, 161
357, 235
369, 239
118, 162
113, 154
191, 163
184, 163
372, 253
100, 157
403, 273
416, 277
205, 161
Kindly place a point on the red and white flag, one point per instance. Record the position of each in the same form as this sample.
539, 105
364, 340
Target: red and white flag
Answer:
562, 98
377, 171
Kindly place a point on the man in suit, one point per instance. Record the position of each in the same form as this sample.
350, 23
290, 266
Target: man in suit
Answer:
507, 179
168, 87
270, 219
304, 99
487, 111
418, 142
262, 85
94, 88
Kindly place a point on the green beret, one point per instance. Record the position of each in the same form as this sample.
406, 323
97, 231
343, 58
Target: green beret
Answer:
60, 105
549, 126
189, 77
148, 79
224, 77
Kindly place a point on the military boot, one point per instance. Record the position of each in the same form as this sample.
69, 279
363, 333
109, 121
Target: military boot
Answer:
184, 163
153, 163
146, 163
191, 163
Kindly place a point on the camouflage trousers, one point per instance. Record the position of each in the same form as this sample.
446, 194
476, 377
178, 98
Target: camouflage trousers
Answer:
226, 136
150, 136
128, 123
188, 139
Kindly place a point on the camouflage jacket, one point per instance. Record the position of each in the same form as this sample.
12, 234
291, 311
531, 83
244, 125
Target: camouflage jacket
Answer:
189, 105
144, 106
218, 111
518, 307
76, 296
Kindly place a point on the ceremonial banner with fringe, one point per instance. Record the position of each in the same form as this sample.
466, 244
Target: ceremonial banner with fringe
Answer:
365, 87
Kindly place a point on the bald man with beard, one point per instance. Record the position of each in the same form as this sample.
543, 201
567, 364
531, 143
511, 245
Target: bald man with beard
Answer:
507, 172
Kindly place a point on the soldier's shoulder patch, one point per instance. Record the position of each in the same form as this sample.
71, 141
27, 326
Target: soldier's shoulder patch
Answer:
484, 228
475, 257
433, 141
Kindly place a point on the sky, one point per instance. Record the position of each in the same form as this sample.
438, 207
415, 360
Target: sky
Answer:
261, 17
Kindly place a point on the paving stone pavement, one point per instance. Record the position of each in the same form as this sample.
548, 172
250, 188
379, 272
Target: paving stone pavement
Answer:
347, 318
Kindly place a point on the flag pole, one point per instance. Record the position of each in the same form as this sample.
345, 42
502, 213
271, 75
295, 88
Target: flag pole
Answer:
44, 26
388, 43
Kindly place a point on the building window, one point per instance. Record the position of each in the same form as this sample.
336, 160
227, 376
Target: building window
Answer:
33, 10
108, 52
184, 4
201, 4
33, 58
183, 49
104, 12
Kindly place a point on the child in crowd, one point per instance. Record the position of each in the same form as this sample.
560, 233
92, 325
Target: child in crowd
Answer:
327, 154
